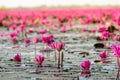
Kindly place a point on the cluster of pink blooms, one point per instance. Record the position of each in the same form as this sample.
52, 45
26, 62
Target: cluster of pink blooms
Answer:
58, 19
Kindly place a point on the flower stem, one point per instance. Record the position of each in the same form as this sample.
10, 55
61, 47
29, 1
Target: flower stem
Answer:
62, 57
104, 43
118, 62
35, 49
55, 57
59, 60
37, 69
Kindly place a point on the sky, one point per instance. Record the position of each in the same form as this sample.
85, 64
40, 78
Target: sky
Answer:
35, 3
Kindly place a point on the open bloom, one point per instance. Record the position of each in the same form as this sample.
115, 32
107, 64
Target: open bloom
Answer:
103, 54
58, 46
17, 58
14, 40
42, 31
106, 34
13, 27
39, 60
86, 65
116, 49
35, 40
31, 30
27, 41
85, 71
52, 45
116, 37
13, 34
102, 29
93, 31
47, 39
84, 30
63, 29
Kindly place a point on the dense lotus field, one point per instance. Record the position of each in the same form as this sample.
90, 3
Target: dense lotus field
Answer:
60, 44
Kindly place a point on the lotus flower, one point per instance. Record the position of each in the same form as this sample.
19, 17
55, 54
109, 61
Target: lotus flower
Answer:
22, 27
27, 41
59, 46
31, 30
42, 31
14, 40
52, 45
116, 49
86, 65
84, 30
17, 58
63, 29
102, 29
106, 34
103, 37
47, 39
39, 60
103, 54
13, 34
93, 31
116, 37
13, 27
35, 40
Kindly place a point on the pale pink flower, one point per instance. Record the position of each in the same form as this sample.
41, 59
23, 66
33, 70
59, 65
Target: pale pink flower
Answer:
42, 31
63, 29
35, 40
116, 37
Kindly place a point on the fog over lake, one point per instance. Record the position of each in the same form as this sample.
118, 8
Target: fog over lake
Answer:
35, 3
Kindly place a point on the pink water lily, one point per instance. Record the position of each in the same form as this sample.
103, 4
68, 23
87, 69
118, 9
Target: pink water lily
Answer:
85, 64
106, 34
85, 71
13, 27
14, 40
103, 54
59, 46
35, 40
102, 29
17, 58
84, 30
63, 29
47, 39
93, 31
116, 49
13, 34
52, 45
116, 38
27, 41
39, 60
31, 30
42, 31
